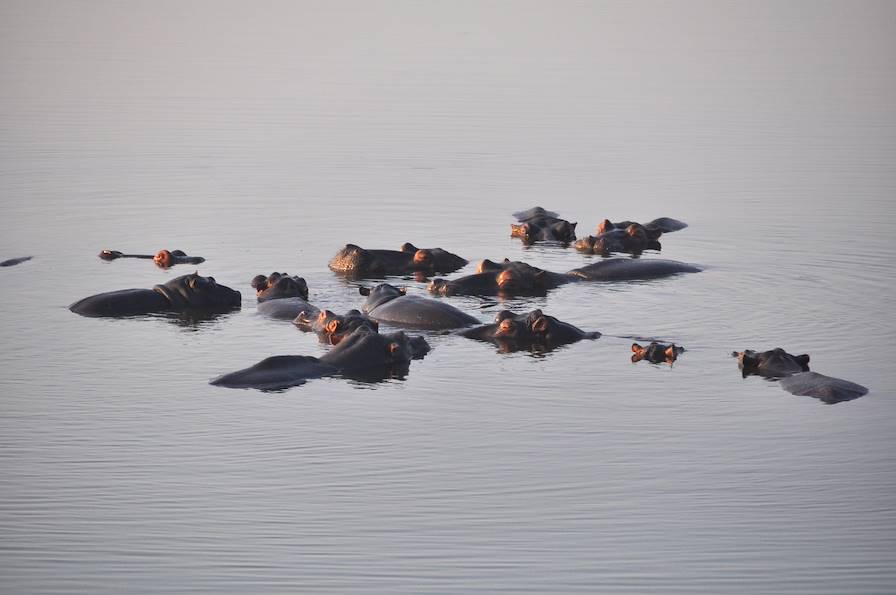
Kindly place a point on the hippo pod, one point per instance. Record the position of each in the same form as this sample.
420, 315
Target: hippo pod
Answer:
363, 354
505, 279
355, 261
387, 303
512, 278
187, 292
539, 225
795, 377
634, 239
533, 330
332, 328
14, 261
162, 258
656, 353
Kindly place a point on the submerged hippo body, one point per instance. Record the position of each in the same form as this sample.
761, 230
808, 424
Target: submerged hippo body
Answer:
508, 278
532, 330
332, 328
363, 354
654, 228
795, 377
539, 225
14, 261
633, 239
630, 269
656, 353
387, 303
185, 293
355, 261
162, 258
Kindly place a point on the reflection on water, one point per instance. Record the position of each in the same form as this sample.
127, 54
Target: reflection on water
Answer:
268, 139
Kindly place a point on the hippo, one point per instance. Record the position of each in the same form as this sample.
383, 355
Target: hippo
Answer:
539, 225
656, 353
387, 303
633, 239
163, 258
332, 328
185, 293
512, 278
532, 330
653, 228
354, 261
364, 354
14, 261
631, 269
795, 376
507, 278
282, 296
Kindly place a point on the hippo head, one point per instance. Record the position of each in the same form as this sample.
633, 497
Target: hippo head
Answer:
332, 327
490, 265
110, 254
279, 285
605, 226
165, 258
194, 291
433, 259
379, 295
585, 244
353, 259
529, 327
775, 363
563, 231
365, 349
519, 277
656, 352
523, 231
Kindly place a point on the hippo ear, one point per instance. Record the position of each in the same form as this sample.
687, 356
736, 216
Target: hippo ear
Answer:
670, 352
803, 360
408, 247
636, 348
572, 226
332, 326
540, 325
364, 290
403, 290
393, 348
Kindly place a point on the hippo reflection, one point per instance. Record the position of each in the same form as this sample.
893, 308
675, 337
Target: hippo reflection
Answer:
332, 328
187, 292
539, 225
162, 258
532, 330
355, 261
364, 355
387, 303
795, 377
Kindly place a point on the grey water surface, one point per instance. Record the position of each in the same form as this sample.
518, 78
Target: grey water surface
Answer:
264, 136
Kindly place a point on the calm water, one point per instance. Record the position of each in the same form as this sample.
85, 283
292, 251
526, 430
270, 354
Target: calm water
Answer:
265, 137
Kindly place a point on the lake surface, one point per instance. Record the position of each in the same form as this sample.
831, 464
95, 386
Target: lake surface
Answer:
264, 137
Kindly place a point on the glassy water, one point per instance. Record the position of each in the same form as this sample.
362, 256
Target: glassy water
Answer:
264, 137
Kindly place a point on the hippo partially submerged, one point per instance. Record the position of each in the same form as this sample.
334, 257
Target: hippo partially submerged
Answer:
332, 328
633, 239
656, 353
162, 258
532, 330
14, 261
795, 377
653, 228
354, 261
387, 303
539, 225
185, 293
364, 354
513, 278
282, 296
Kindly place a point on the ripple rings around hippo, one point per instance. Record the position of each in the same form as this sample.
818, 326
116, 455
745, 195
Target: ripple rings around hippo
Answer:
793, 373
185, 293
364, 354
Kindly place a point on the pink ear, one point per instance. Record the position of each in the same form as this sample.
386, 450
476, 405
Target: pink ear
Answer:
636, 348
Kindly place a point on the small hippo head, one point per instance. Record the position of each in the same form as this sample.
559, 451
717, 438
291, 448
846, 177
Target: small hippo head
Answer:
656, 352
524, 327
366, 349
520, 278
279, 285
194, 291
332, 328
165, 258
379, 295
585, 244
775, 363
110, 254
564, 231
